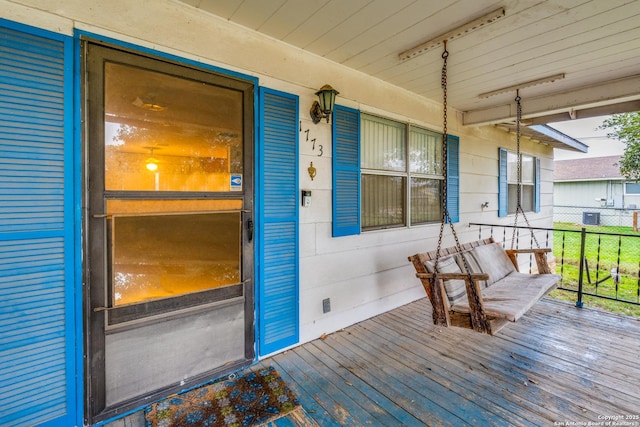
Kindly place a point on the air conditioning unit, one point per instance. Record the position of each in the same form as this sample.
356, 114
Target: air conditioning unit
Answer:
591, 218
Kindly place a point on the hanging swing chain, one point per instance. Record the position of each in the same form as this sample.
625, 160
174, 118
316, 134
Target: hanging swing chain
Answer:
518, 177
519, 157
443, 201
519, 209
445, 211
443, 83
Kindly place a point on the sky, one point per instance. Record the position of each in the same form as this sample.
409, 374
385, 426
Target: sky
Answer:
587, 132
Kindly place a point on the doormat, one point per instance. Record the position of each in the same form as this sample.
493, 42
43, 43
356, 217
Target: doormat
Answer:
246, 399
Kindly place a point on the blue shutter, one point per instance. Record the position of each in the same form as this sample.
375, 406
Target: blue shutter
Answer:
503, 189
277, 195
37, 311
453, 178
346, 171
536, 184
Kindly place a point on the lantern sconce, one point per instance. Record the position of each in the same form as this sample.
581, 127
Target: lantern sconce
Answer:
323, 107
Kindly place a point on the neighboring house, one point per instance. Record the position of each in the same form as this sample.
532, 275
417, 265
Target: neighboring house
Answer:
170, 212
592, 191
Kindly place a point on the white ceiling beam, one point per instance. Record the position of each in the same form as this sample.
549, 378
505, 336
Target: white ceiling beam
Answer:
460, 31
519, 86
604, 110
598, 95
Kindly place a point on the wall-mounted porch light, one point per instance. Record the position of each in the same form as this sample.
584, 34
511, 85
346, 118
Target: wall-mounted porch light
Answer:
323, 107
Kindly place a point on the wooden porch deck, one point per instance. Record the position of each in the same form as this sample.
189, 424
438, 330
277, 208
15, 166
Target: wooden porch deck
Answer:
556, 366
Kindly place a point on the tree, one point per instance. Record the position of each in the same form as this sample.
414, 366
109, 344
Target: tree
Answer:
625, 127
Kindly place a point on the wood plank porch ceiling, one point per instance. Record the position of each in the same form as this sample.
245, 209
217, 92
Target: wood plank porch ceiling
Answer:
557, 364
595, 43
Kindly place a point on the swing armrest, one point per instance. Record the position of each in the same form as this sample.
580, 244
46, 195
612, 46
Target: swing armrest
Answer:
539, 254
478, 320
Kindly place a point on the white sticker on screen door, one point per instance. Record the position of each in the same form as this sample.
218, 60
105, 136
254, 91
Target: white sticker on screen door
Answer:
236, 182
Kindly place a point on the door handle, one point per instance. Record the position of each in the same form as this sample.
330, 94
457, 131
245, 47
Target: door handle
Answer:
250, 229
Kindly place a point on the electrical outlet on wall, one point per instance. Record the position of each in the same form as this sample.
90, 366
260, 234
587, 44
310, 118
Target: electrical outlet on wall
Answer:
326, 305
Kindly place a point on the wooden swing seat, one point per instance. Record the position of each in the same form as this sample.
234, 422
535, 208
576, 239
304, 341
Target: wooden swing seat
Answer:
492, 295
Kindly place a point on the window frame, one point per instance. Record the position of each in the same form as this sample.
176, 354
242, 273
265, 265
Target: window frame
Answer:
628, 193
505, 183
407, 174
346, 174
528, 184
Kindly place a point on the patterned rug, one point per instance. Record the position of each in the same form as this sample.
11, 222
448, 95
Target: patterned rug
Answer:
246, 399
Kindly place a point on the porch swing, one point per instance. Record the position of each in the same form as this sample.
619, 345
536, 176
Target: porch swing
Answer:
478, 285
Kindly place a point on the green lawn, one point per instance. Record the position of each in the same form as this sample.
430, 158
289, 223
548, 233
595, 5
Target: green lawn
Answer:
603, 253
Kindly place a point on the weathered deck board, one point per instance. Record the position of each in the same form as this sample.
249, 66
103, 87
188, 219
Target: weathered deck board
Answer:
489, 359
556, 364
564, 357
467, 378
567, 357
438, 389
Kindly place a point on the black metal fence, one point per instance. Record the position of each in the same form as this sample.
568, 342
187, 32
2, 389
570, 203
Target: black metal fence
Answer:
592, 261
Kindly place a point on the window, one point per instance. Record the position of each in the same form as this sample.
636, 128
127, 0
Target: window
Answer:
632, 188
165, 139
508, 183
166, 255
160, 145
425, 169
387, 174
401, 174
167, 184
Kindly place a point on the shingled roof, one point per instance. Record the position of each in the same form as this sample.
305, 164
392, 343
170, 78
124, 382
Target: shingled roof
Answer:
591, 168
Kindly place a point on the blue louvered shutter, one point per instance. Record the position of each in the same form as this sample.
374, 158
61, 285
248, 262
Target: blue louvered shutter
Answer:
503, 188
536, 184
37, 316
278, 290
346, 171
453, 178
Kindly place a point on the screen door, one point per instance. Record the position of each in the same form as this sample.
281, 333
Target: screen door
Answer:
169, 227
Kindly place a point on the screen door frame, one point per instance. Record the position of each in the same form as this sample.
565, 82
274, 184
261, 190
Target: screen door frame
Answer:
99, 315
